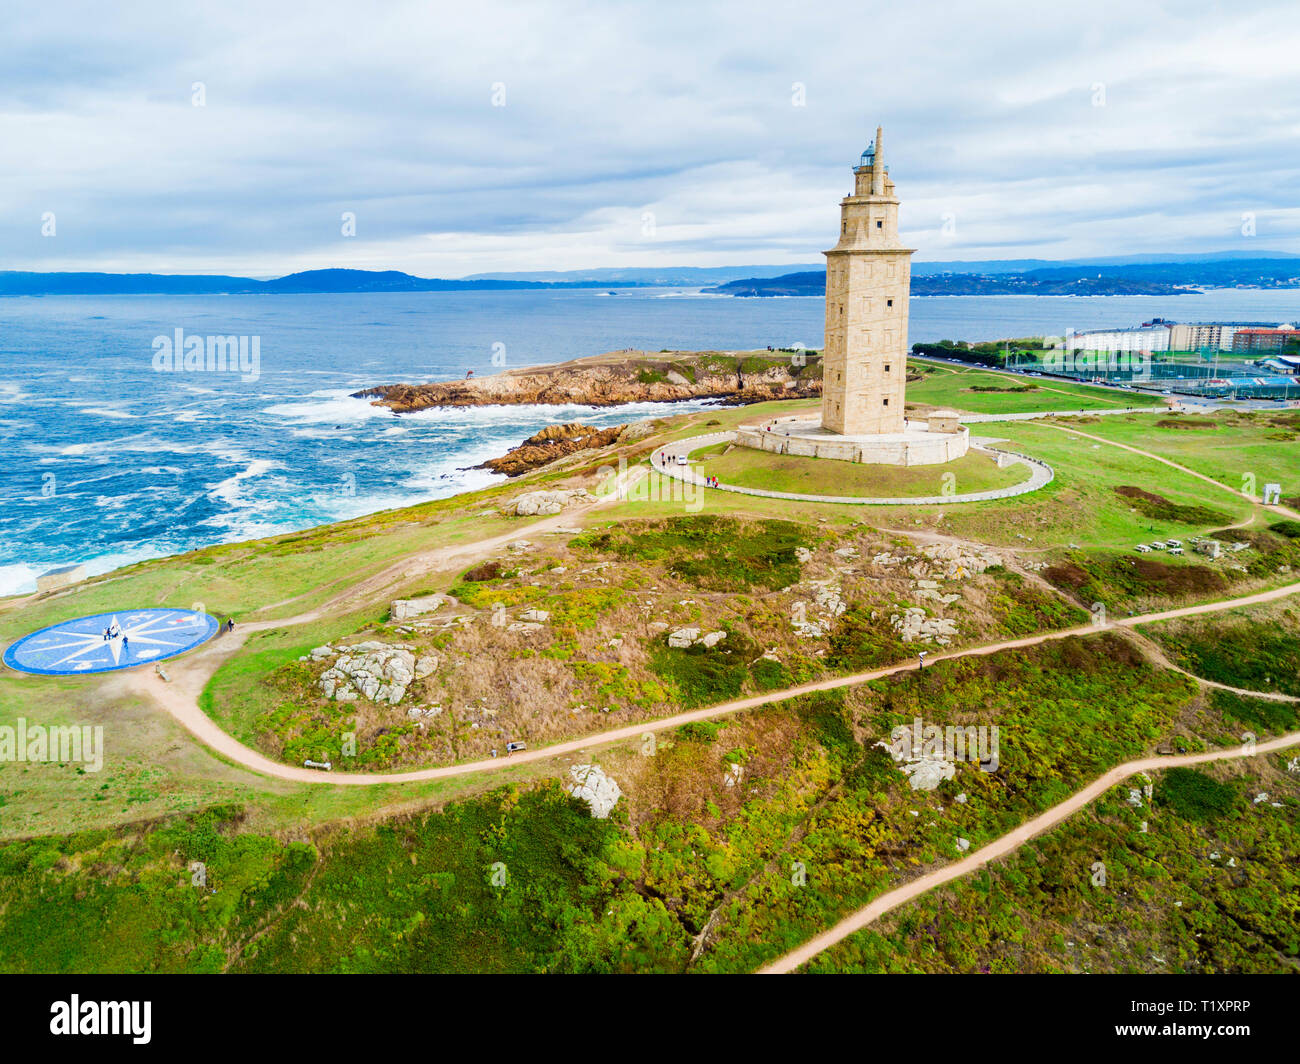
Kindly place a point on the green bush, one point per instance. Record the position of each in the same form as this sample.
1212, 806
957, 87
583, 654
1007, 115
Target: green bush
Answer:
1195, 796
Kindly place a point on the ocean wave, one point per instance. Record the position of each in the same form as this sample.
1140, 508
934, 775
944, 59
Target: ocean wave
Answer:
19, 578
112, 412
231, 490
332, 406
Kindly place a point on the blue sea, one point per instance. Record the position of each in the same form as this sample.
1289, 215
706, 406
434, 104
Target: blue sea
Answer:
110, 460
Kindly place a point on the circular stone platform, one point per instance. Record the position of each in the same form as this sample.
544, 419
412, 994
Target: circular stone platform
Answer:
941, 438
138, 637
664, 461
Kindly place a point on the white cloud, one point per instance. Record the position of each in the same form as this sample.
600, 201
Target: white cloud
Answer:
683, 110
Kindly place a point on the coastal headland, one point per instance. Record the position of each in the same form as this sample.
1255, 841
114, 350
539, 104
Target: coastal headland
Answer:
735, 377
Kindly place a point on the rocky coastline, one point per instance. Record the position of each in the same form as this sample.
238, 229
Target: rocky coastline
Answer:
733, 377
554, 441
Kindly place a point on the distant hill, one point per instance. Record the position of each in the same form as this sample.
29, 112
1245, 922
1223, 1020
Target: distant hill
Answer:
16, 283
959, 284
1134, 275
652, 276
689, 276
1150, 278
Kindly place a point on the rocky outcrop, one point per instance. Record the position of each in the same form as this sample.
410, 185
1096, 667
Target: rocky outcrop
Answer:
958, 561
380, 672
406, 609
913, 626
532, 503
554, 441
591, 785
621, 377
683, 638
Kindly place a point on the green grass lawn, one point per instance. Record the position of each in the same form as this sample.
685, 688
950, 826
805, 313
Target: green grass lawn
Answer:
297, 571
1081, 505
953, 386
1233, 448
748, 468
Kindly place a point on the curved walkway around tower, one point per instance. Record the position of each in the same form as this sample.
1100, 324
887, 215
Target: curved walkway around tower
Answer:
664, 460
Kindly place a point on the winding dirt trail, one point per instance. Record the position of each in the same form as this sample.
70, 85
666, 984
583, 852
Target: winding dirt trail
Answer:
1001, 847
190, 675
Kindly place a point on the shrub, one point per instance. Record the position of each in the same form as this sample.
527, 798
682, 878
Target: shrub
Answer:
698, 731
1162, 509
1195, 796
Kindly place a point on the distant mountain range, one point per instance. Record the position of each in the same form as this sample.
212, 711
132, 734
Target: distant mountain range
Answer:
690, 276
1166, 277
16, 283
1130, 275
650, 276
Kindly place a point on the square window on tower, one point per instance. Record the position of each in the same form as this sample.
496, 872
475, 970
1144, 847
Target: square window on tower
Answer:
880, 225
886, 400
889, 302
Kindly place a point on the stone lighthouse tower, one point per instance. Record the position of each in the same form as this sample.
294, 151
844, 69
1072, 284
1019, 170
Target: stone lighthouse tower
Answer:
868, 277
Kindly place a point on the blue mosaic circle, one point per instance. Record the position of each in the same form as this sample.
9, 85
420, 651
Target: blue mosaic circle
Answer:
105, 642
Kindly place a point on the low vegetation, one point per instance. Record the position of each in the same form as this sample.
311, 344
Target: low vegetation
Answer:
1196, 879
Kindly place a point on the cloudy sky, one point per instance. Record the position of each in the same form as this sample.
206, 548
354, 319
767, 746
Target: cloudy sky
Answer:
468, 137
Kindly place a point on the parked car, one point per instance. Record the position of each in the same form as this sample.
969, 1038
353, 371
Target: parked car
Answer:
1158, 545
1142, 548
681, 459
1173, 543
515, 747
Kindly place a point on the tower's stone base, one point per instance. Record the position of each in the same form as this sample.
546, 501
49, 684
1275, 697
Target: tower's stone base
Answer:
920, 444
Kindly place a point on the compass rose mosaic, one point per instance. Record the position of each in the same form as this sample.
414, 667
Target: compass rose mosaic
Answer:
108, 641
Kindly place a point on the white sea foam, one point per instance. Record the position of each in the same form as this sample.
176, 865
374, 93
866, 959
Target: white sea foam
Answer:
113, 412
332, 406
230, 490
20, 578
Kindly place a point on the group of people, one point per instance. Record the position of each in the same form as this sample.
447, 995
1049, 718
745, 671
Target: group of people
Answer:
113, 631
711, 482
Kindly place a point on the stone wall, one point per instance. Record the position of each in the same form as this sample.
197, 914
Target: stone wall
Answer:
912, 449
